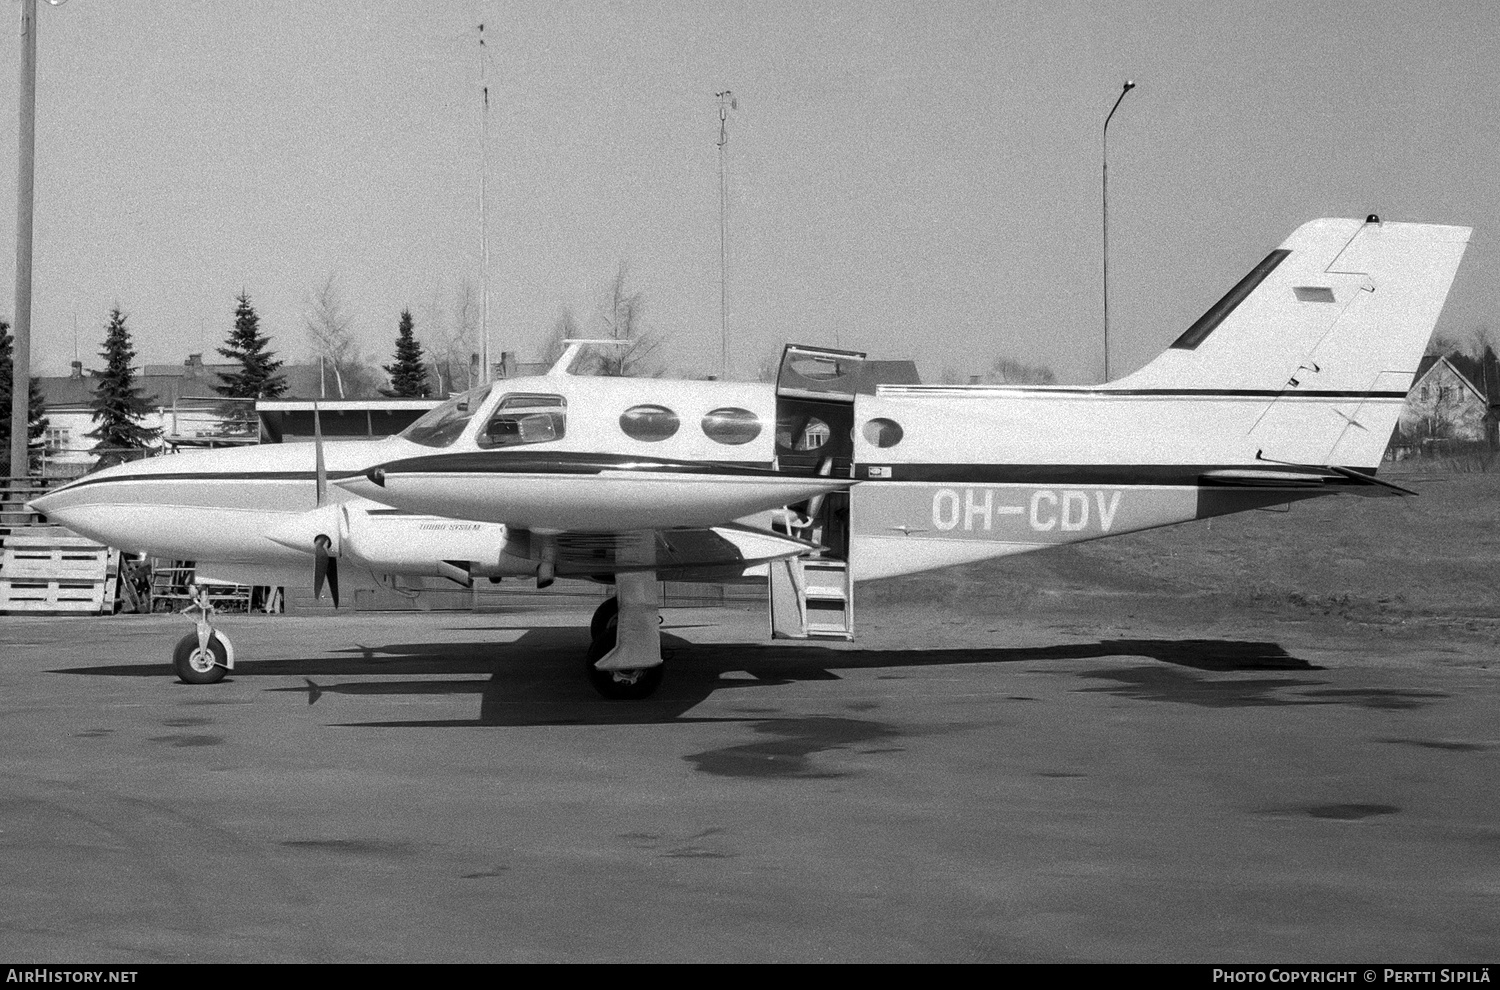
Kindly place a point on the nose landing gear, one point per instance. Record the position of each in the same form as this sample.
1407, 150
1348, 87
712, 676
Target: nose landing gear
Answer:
205, 655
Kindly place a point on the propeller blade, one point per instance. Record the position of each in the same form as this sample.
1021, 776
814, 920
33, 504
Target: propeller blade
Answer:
325, 568
320, 470
321, 562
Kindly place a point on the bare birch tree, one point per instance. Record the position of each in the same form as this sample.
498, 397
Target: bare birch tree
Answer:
464, 328
439, 357
768, 367
1008, 371
623, 315
566, 328
452, 320
330, 329
1002, 371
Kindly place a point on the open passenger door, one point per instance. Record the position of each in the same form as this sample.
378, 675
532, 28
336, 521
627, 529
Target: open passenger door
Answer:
812, 597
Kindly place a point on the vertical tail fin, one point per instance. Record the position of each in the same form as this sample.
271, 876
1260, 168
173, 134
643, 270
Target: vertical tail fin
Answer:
1331, 327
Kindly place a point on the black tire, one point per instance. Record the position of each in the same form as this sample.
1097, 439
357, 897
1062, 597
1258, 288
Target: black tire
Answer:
604, 616
620, 685
194, 668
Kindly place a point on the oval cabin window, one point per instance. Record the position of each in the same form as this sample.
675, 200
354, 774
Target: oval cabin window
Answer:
649, 423
731, 425
883, 432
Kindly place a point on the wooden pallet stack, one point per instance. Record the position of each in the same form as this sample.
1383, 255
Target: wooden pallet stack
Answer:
48, 570
15, 517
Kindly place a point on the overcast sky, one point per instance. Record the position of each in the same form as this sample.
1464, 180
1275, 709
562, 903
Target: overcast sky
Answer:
917, 180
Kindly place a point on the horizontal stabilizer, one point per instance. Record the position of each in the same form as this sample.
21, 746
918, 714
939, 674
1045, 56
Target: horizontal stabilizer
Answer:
1252, 478
1305, 476
1368, 480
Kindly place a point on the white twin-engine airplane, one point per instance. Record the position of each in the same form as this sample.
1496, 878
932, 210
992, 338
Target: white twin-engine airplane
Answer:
1287, 388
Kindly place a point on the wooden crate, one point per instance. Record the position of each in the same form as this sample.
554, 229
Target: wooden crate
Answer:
48, 571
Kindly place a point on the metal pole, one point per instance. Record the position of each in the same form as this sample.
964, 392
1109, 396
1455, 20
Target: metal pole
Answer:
20, 394
484, 226
1127, 88
733, 104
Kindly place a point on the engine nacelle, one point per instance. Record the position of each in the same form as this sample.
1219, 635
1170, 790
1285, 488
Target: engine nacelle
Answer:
301, 531
396, 543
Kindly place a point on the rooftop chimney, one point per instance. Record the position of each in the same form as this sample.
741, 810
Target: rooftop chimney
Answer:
77, 372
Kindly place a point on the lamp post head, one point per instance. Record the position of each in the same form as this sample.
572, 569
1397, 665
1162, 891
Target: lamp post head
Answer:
1129, 85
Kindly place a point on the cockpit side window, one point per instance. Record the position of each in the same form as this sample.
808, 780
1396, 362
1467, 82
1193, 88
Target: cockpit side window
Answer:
525, 418
440, 426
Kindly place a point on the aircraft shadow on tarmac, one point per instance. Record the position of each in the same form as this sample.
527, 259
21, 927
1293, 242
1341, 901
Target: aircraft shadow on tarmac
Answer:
537, 679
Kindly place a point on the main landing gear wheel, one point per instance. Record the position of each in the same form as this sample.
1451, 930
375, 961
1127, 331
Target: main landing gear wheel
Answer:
604, 617
620, 685
198, 666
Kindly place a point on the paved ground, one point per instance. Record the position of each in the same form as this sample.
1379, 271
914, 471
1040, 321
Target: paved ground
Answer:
447, 787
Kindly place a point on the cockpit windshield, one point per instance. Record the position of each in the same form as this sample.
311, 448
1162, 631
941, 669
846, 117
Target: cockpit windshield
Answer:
442, 425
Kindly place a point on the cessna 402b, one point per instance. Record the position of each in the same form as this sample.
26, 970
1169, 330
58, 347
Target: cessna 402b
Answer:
1289, 387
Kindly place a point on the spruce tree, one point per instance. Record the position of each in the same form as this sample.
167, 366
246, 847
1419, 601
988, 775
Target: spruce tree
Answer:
409, 372
118, 405
257, 377
36, 424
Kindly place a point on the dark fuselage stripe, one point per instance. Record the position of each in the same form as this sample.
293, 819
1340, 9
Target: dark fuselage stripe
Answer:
308, 476
1051, 475
567, 463
1056, 475
920, 391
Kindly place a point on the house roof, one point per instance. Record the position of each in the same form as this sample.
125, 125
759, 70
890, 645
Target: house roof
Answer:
61, 392
166, 384
77, 392
1431, 362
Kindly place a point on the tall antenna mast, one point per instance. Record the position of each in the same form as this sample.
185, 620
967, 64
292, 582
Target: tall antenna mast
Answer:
727, 102
20, 418
484, 227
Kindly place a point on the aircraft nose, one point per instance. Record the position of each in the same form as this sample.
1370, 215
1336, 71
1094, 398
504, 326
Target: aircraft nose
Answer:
100, 505
42, 504
68, 505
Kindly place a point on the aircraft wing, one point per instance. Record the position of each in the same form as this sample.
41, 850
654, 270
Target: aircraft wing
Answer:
672, 552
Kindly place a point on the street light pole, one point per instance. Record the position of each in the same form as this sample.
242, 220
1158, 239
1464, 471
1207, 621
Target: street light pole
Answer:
727, 102
484, 220
1125, 89
20, 396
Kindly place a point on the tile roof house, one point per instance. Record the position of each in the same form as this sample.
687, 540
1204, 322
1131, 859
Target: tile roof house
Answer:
1454, 397
184, 404
186, 407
